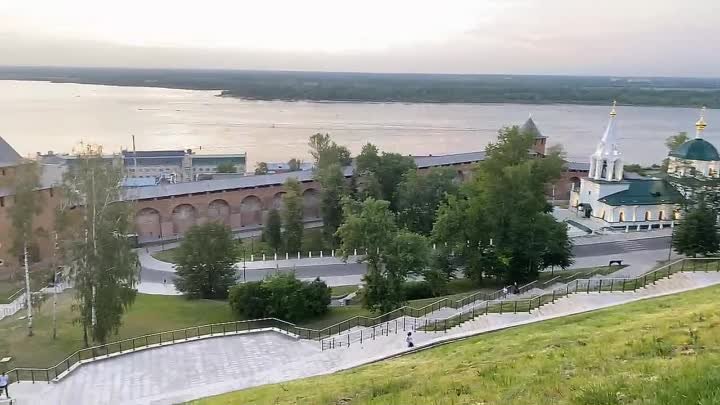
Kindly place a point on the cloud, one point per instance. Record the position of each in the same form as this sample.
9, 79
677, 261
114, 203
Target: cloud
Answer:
613, 37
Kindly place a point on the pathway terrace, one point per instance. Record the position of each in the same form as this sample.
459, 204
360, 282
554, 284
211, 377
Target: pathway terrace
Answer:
225, 360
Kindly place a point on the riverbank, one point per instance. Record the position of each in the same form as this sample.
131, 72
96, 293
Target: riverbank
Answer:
395, 88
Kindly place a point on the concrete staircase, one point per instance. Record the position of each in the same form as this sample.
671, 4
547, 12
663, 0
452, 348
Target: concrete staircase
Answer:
393, 333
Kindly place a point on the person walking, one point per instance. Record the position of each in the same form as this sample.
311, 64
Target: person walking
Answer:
4, 382
516, 290
505, 292
409, 340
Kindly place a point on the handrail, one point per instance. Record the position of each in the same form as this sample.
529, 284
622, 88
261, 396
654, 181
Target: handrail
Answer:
14, 295
526, 305
264, 324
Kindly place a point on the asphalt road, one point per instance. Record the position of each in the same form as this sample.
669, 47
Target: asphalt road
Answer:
348, 269
611, 248
599, 249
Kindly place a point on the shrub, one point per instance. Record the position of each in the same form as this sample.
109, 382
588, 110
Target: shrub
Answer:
249, 300
281, 296
415, 290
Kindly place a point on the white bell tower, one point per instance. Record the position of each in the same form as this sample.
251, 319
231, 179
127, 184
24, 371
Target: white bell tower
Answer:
606, 163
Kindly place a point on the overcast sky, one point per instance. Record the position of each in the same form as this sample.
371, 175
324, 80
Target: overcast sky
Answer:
613, 37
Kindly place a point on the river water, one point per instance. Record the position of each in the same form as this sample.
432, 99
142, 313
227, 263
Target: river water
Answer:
41, 116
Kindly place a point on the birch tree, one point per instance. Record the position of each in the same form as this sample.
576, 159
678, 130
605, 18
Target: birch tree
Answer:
101, 260
27, 203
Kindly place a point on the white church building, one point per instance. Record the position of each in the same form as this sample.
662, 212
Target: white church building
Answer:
633, 201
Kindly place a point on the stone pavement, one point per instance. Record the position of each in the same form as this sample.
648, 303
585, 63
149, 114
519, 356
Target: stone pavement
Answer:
187, 371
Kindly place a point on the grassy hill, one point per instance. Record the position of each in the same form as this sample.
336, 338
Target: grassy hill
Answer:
664, 351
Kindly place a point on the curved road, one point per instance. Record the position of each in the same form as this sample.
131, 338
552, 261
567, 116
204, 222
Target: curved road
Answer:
350, 269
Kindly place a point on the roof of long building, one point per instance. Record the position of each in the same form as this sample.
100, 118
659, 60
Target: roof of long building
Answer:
268, 180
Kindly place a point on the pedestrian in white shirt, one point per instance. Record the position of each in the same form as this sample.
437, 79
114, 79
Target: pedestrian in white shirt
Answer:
4, 382
409, 340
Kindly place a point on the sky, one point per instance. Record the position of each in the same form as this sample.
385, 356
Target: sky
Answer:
608, 37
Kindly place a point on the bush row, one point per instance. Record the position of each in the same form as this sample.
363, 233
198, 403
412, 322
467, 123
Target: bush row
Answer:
281, 296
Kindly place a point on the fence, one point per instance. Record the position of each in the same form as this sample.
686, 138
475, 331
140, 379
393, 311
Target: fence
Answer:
407, 318
16, 303
500, 306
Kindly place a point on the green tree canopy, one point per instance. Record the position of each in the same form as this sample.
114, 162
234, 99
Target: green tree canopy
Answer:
674, 141
206, 261
333, 190
27, 204
292, 215
101, 258
281, 296
390, 254
261, 168
382, 173
273, 230
697, 233
420, 194
325, 151
226, 167
294, 164
501, 222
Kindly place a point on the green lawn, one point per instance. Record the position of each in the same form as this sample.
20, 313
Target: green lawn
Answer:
663, 351
343, 290
149, 314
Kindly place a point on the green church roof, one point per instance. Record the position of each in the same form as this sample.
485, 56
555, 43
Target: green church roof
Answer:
644, 192
696, 149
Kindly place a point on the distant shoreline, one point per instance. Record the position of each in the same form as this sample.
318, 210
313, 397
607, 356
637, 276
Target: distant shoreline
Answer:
396, 88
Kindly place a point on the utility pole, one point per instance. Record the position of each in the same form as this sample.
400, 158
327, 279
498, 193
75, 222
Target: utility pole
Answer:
55, 288
28, 292
134, 157
93, 318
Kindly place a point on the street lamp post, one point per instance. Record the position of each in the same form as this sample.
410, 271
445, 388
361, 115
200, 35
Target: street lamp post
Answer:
670, 248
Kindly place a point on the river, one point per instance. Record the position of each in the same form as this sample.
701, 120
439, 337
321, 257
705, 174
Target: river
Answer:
42, 116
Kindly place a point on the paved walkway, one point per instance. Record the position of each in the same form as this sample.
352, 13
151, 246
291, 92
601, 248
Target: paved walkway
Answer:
187, 371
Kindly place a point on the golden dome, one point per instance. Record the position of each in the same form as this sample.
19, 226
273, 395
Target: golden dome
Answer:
700, 125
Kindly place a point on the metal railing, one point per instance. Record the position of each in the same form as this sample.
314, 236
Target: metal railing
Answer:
405, 318
500, 306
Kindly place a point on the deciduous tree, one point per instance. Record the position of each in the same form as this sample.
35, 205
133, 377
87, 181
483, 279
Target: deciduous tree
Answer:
292, 215
27, 203
502, 223
273, 230
261, 168
226, 167
333, 190
326, 152
420, 195
294, 164
101, 258
697, 233
206, 261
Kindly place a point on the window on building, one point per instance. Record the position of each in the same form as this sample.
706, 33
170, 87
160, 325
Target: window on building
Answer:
2, 201
52, 193
660, 216
647, 215
3, 172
